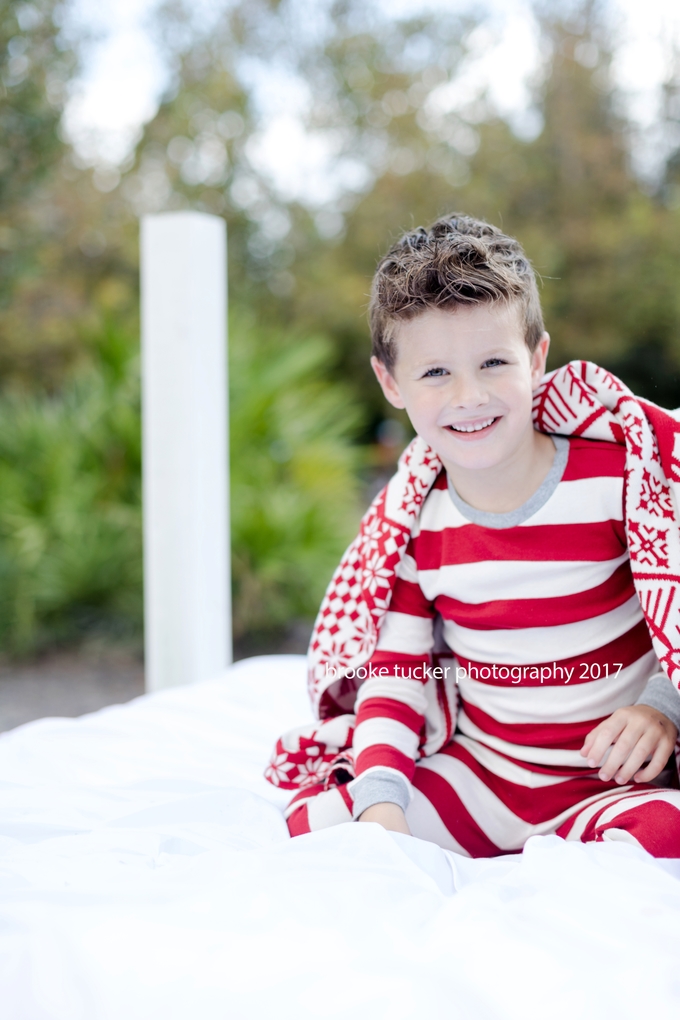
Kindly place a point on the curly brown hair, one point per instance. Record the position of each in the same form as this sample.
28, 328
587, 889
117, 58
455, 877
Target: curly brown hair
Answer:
458, 260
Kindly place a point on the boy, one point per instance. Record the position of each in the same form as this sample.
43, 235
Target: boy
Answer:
518, 561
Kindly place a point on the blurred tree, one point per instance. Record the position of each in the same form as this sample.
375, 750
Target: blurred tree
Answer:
68, 238
606, 245
202, 150
35, 67
35, 70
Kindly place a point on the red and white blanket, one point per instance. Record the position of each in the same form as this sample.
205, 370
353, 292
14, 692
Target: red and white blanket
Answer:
579, 399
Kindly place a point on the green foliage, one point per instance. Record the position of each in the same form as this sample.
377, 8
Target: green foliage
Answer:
70, 529
293, 474
70, 500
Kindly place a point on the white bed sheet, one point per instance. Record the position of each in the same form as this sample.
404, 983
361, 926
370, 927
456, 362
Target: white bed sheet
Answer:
146, 872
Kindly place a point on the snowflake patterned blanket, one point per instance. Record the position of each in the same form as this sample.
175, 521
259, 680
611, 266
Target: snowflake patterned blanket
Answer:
579, 399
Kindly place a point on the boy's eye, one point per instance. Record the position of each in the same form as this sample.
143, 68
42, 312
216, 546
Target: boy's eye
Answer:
434, 373
492, 362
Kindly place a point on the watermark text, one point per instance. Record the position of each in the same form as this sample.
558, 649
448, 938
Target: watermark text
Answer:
546, 673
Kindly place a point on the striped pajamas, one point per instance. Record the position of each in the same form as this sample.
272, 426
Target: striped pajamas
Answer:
544, 634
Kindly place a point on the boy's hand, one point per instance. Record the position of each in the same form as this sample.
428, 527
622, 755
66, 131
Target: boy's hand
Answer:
633, 733
390, 816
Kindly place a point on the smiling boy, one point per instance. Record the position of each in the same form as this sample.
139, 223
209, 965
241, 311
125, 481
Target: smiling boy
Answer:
519, 562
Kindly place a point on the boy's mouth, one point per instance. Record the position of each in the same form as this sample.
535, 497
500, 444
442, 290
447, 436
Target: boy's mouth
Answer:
477, 426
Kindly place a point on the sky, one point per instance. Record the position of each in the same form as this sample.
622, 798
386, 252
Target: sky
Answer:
124, 75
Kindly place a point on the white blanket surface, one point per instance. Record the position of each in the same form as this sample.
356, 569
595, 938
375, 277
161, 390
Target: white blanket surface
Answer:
146, 872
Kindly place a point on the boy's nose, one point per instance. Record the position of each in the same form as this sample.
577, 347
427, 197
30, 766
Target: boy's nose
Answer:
468, 392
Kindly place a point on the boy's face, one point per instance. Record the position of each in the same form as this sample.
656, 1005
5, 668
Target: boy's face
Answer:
466, 378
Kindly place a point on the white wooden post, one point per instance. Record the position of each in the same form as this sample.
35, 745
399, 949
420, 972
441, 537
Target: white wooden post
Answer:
187, 600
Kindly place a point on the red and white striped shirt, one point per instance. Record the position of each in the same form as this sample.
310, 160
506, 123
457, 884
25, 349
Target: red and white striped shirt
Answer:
539, 610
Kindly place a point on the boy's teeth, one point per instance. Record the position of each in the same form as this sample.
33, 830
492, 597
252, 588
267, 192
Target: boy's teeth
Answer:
474, 428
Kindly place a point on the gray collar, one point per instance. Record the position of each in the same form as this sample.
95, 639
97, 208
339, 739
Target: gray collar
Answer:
511, 518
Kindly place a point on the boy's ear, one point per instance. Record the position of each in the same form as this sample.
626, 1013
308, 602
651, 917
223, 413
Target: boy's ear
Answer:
387, 383
538, 360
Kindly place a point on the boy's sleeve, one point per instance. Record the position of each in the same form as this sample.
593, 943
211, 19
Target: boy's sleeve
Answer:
391, 703
662, 695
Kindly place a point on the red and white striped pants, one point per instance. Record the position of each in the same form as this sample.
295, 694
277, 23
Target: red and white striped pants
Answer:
465, 806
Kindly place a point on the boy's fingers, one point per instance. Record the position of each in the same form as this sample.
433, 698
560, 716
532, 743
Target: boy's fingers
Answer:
588, 743
598, 750
619, 745
621, 750
659, 759
604, 735
642, 750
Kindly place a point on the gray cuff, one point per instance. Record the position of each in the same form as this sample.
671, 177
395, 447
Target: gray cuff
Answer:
379, 788
662, 695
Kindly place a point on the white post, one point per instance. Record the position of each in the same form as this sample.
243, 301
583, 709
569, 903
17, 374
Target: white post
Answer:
187, 600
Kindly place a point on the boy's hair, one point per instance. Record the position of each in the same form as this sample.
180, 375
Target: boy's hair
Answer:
459, 260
